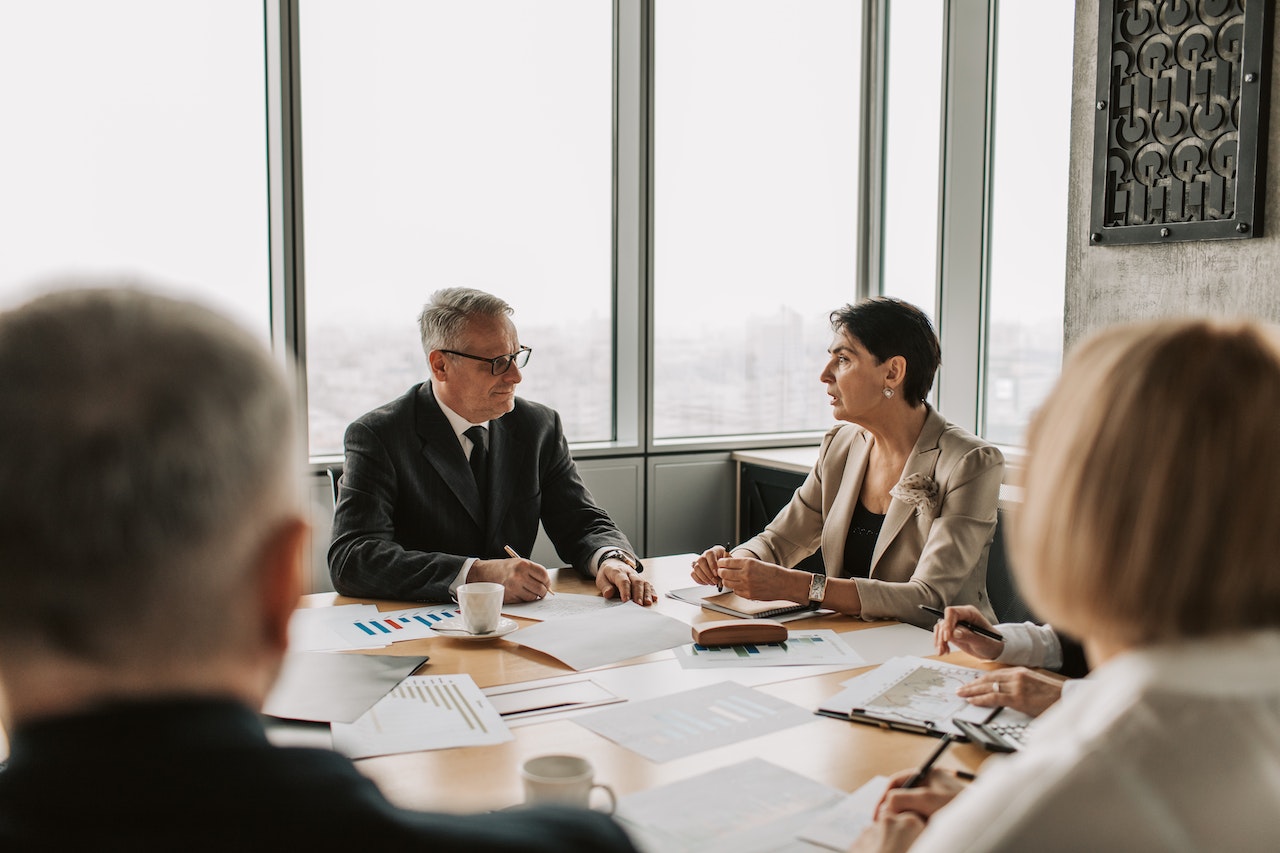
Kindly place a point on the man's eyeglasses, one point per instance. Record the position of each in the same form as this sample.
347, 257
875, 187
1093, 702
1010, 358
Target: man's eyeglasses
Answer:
501, 364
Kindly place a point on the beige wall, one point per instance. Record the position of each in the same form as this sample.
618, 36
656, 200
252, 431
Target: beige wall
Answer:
1119, 283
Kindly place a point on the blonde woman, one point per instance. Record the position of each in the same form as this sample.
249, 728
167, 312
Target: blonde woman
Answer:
901, 502
1149, 531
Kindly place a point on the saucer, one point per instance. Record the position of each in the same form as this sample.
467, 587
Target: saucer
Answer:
505, 626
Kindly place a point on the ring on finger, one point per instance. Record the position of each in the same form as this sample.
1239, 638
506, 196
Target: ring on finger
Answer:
995, 688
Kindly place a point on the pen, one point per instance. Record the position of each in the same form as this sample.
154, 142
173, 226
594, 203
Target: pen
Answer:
923, 772
964, 624
511, 552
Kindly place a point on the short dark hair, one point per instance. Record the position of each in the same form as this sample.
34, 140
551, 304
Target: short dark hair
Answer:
887, 327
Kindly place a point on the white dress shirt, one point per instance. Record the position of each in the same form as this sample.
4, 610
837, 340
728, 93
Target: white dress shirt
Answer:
1173, 748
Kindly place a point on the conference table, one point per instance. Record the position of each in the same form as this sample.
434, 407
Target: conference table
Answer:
838, 753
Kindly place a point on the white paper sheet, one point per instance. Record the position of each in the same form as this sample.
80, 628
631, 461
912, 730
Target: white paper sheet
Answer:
838, 827
559, 606
423, 712
800, 648
334, 687
606, 636
877, 645
316, 629
750, 807
670, 727
394, 626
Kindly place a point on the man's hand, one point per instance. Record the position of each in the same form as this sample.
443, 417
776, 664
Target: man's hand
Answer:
939, 788
1017, 687
616, 578
524, 580
947, 631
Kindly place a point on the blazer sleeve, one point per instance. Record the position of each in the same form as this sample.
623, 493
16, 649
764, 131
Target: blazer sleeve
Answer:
955, 546
365, 560
574, 523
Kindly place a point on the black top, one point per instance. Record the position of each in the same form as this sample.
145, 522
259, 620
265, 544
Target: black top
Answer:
860, 544
200, 775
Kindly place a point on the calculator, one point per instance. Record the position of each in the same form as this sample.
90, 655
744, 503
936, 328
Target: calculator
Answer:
994, 736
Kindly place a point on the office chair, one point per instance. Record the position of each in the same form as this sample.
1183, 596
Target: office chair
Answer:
1001, 588
335, 480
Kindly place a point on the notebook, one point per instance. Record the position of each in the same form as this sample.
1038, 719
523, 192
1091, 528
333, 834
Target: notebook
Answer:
736, 605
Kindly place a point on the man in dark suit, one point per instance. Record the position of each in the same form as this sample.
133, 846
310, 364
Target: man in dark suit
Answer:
151, 545
439, 483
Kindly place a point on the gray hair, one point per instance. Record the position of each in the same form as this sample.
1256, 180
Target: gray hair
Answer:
444, 319
147, 448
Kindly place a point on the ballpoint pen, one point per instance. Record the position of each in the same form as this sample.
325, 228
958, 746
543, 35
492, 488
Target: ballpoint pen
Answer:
977, 629
511, 552
923, 773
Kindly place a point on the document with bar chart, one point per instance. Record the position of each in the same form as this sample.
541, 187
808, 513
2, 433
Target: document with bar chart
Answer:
423, 712
801, 647
671, 727
392, 626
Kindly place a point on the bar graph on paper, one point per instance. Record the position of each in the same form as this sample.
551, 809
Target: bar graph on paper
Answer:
423, 712
671, 727
824, 647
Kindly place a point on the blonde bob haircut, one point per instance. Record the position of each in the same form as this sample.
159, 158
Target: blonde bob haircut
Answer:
1150, 512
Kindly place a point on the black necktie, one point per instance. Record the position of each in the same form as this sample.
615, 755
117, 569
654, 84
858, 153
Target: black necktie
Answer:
479, 456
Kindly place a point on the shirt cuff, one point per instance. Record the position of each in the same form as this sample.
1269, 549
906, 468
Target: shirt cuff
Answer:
461, 578
1029, 644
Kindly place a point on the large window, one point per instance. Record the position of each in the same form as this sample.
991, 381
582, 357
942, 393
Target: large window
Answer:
756, 134
1028, 211
912, 151
134, 145
463, 143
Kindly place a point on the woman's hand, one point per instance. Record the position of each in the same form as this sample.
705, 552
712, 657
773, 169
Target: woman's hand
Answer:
705, 566
939, 788
947, 631
756, 579
890, 834
1017, 687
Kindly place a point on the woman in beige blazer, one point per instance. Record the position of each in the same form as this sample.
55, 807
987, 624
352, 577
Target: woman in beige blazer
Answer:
902, 503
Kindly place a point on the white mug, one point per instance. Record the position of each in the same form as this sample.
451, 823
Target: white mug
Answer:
481, 605
563, 780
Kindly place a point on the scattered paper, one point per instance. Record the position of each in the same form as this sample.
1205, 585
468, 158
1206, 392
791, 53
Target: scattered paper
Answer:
877, 645
670, 727
800, 647
840, 826
516, 701
394, 626
558, 606
749, 807
317, 629
606, 636
334, 687
424, 712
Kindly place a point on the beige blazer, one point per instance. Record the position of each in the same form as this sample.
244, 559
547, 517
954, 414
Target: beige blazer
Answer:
936, 557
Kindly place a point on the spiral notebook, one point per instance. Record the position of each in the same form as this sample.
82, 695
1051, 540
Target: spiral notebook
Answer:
736, 605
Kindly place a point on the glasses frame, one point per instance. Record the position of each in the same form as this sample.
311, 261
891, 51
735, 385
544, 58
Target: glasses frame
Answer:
505, 360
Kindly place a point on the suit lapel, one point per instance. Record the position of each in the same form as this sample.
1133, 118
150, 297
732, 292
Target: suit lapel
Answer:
840, 510
503, 450
443, 452
923, 460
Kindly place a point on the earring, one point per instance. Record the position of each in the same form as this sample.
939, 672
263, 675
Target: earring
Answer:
888, 393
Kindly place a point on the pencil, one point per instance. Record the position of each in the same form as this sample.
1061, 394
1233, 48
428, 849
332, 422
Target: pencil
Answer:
964, 624
511, 552
923, 773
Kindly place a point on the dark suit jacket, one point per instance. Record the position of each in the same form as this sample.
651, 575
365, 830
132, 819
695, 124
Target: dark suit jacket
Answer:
201, 775
409, 513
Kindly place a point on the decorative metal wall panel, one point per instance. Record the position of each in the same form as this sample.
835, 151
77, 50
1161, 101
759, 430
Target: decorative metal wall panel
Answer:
1179, 132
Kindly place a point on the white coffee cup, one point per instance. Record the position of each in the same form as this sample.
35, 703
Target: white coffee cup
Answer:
481, 605
564, 780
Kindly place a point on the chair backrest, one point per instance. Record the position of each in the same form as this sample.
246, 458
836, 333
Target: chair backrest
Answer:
335, 480
1002, 590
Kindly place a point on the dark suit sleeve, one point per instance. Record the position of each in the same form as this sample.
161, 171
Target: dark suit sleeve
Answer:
574, 523
365, 560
